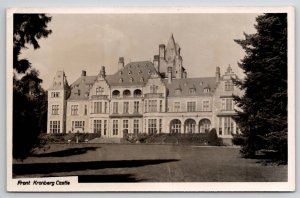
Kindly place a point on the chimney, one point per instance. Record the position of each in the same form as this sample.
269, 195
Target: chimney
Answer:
121, 63
83, 73
162, 51
184, 74
102, 72
217, 74
169, 75
156, 62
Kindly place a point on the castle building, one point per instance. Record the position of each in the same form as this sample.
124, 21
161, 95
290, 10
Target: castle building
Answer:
144, 97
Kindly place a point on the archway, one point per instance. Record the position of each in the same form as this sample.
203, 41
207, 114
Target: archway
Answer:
204, 125
190, 126
137, 93
175, 126
126, 93
116, 93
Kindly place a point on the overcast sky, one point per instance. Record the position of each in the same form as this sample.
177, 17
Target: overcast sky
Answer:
88, 41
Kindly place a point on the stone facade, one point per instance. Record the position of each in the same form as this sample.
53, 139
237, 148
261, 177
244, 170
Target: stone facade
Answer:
144, 97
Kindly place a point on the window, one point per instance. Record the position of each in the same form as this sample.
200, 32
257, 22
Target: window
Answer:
152, 126
152, 106
125, 126
176, 106
135, 126
115, 107
104, 127
97, 107
177, 91
228, 126
220, 126
191, 106
97, 126
175, 126
153, 88
160, 125
105, 107
206, 90
160, 106
54, 109
78, 124
192, 90
206, 105
99, 91
227, 104
145, 106
54, 126
85, 109
229, 86
54, 94
125, 107
74, 109
136, 106
115, 127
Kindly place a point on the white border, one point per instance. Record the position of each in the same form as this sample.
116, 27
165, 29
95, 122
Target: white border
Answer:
175, 186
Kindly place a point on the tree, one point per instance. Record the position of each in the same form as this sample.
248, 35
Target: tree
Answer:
263, 115
29, 98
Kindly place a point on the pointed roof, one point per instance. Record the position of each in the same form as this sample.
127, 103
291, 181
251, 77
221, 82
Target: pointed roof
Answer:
171, 43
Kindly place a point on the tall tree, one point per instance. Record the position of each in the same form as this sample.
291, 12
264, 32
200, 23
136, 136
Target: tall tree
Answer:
263, 115
28, 96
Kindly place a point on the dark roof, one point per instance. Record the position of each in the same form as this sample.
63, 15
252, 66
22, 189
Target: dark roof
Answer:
138, 72
186, 84
81, 87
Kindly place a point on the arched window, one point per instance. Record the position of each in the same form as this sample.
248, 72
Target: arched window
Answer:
137, 93
189, 126
204, 125
116, 93
175, 126
126, 93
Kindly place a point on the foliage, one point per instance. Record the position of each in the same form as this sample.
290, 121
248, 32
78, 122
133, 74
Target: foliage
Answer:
263, 115
29, 99
212, 138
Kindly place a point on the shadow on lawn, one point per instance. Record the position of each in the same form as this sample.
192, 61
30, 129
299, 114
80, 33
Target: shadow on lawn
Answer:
66, 152
46, 168
117, 178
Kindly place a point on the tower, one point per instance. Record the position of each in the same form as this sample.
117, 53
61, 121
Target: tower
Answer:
57, 104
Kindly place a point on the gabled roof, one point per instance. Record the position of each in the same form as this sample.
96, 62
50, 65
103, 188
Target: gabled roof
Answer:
134, 73
185, 84
81, 87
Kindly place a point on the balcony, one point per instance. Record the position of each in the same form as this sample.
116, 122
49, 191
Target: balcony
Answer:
154, 95
126, 115
99, 97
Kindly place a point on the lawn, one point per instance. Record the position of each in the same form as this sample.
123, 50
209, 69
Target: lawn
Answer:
147, 163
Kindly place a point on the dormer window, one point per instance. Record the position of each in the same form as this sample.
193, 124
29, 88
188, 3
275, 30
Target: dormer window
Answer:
139, 72
120, 73
121, 80
78, 92
149, 71
192, 90
206, 90
142, 80
178, 91
129, 72
130, 79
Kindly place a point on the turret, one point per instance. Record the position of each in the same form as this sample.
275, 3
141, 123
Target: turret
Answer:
121, 63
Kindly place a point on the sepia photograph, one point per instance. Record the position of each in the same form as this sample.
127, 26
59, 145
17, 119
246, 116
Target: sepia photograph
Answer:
151, 99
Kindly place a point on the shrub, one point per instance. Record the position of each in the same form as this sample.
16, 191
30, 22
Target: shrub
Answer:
212, 138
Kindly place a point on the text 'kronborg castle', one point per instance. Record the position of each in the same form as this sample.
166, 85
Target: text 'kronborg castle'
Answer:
143, 97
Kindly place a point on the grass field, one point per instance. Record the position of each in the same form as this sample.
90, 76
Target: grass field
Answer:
147, 163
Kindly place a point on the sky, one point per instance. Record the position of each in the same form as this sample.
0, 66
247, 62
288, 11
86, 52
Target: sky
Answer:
88, 41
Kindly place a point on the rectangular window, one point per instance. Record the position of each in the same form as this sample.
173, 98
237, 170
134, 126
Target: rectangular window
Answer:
115, 107
97, 107
104, 127
97, 126
152, 106
228, 126
78, 125
125, 107
136, 106
227, 104
54, 126
105, 107
229, 86
115, 127
191, 106
160, 125
145, 106
160, 105
135, 126
74, 109
220, 126
54, 109
206, 105
125, 126
85, 110
176, 106
54, 94
152, 126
